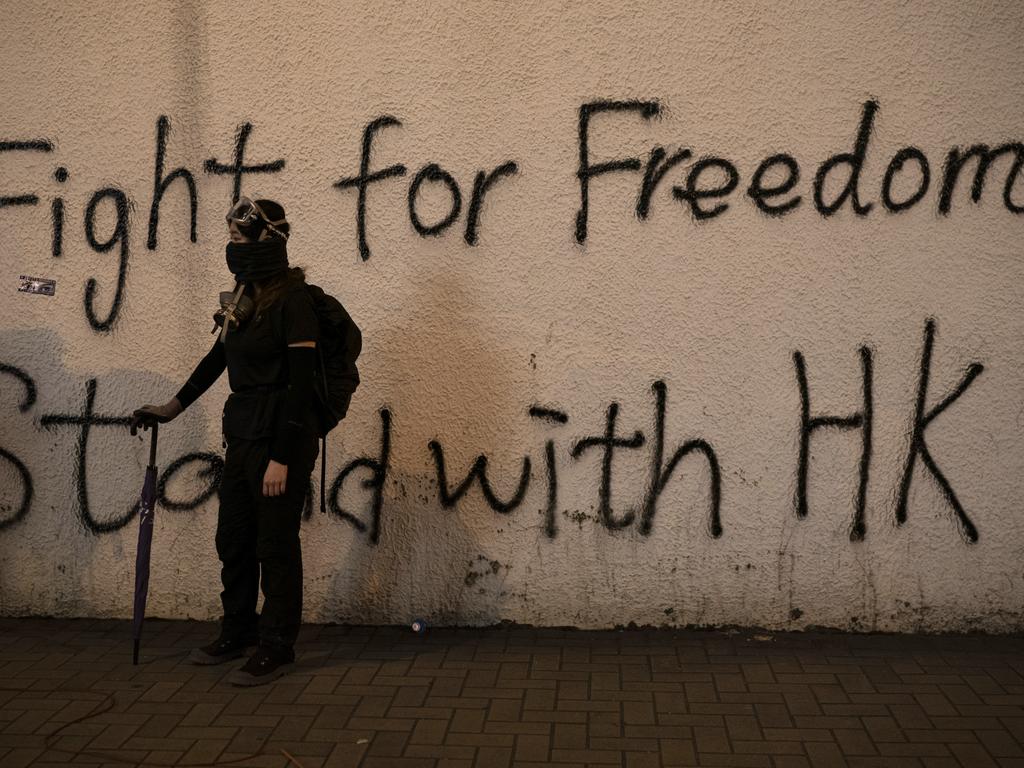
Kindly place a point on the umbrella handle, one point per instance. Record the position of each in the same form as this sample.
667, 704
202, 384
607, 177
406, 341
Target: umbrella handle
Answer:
152, 445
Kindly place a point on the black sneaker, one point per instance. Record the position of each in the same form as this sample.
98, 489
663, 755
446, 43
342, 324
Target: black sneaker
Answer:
265, 665
220, 650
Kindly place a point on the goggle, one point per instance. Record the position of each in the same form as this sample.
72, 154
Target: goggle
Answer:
245, 213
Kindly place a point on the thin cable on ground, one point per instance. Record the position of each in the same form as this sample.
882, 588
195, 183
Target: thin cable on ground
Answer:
109, 701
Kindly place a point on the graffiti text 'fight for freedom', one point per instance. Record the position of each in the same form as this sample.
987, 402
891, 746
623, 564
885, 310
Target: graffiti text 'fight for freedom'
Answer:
706, 185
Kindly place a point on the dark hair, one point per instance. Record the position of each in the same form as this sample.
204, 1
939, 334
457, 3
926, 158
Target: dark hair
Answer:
276, 287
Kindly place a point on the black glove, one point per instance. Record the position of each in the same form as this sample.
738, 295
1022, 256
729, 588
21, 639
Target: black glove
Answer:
148, 415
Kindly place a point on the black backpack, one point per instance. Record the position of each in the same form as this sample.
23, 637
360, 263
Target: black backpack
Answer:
341, 341
340, 344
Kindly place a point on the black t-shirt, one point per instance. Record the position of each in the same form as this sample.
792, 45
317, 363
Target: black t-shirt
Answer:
257, 362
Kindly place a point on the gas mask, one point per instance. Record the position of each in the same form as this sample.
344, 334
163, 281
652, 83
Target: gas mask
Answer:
235, 309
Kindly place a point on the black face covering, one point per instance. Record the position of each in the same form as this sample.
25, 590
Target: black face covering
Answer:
257, 261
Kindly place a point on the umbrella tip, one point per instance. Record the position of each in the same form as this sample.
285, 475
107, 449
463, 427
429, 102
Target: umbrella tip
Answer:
135, 652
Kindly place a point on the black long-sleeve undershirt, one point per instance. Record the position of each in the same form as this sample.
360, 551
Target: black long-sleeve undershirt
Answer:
205, 374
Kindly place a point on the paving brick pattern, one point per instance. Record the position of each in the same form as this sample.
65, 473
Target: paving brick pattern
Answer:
513, 698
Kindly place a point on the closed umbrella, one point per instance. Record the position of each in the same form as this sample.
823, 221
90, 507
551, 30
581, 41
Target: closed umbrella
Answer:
145, 506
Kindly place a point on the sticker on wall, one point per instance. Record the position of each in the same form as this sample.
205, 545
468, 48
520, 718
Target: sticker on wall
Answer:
41, 285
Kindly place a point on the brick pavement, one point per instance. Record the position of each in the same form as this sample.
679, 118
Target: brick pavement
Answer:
517, 697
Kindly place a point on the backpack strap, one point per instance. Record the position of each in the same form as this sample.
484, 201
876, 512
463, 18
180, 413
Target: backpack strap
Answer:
323, 440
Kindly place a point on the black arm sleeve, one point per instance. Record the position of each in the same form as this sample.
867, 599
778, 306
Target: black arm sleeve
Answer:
301, 370
298, 318
208, 371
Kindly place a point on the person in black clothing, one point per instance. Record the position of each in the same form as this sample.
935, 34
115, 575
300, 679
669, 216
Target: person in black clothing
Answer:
267, 342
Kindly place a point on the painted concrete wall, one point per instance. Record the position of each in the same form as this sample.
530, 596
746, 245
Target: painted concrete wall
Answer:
882, 493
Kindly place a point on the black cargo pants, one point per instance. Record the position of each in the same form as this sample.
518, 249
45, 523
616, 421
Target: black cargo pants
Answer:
258, 541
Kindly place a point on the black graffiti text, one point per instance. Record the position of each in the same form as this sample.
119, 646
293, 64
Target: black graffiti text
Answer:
707, 185
432, 173
104, 320
206, 468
